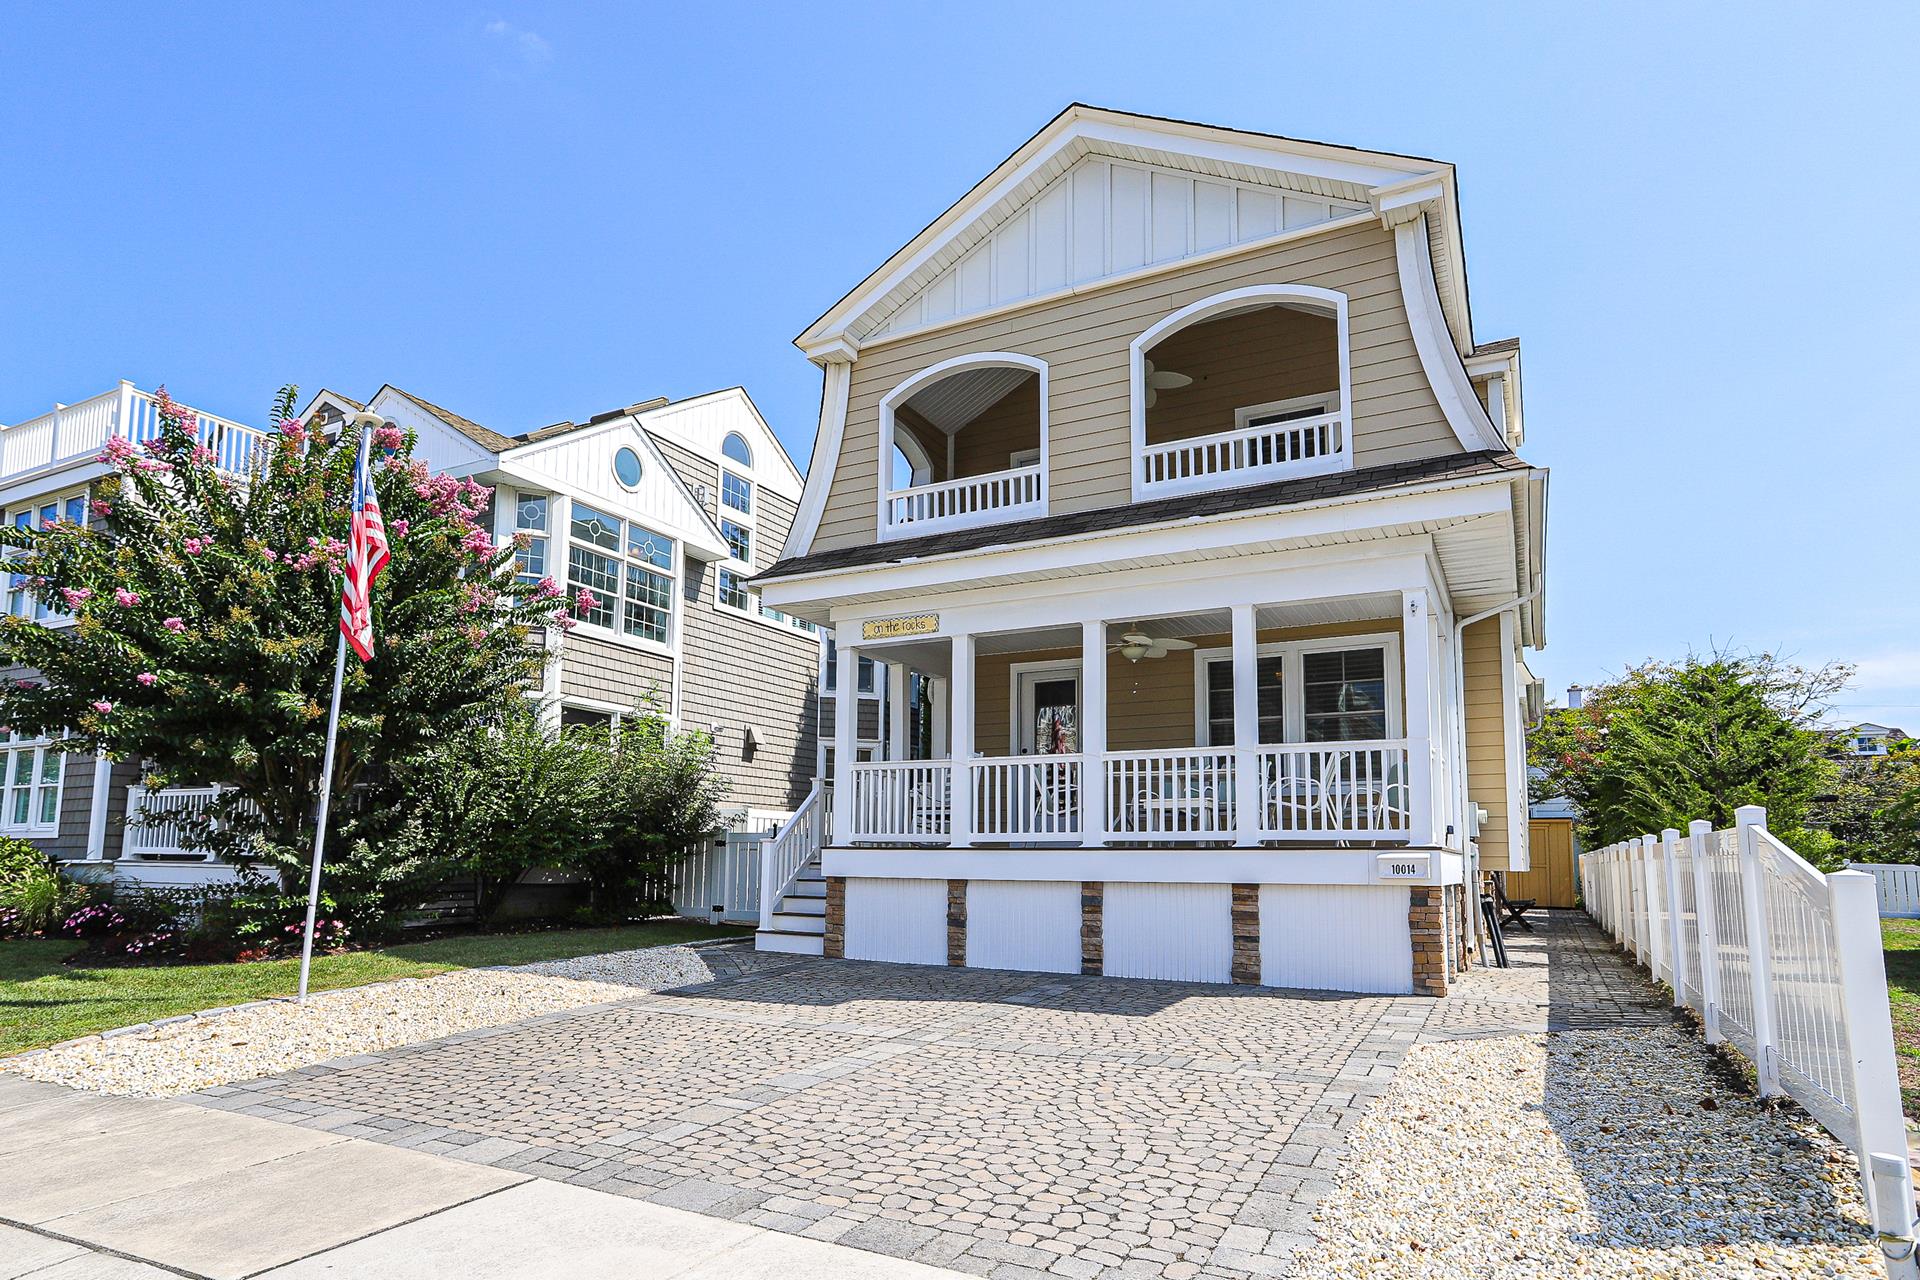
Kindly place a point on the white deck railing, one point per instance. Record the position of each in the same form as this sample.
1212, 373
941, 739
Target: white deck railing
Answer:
1334, 789
792, 848
1249, 455
78, 431
1025, 797
1171, 793
970, 500
907, 800
1780, 961
157, 821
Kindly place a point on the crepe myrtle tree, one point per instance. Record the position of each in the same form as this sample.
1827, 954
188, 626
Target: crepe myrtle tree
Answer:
205, 608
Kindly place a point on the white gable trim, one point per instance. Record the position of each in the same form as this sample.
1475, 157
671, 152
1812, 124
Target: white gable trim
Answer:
826, 458
534, 464
785, 479
1434, 343
438, 444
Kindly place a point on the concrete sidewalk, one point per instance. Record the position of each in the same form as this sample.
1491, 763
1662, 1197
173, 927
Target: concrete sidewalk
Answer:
96, 1188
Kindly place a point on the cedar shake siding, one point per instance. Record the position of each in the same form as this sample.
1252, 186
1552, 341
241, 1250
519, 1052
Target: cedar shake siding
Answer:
601, 670
1084, 341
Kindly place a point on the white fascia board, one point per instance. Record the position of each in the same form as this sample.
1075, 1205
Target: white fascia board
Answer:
49, 480
1450, 501
1193, 865
1079, 125
836, 382
661, 420
701, 539
1433, 341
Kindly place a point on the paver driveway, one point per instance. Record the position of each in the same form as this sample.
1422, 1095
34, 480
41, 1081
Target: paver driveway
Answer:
1004, 1124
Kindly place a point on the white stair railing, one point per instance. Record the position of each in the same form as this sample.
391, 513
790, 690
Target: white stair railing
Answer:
1785, 964
784, 856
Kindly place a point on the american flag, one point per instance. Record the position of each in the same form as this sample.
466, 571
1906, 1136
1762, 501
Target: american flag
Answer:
367, 555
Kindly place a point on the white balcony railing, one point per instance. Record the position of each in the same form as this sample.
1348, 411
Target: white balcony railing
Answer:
1326, 792
75, 432
1249, 455
1334, 789
157, 821
1025, 797
902, 799
970, 500
1171, 793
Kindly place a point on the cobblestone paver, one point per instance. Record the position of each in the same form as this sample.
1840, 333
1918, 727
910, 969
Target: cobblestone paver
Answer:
1009, 1125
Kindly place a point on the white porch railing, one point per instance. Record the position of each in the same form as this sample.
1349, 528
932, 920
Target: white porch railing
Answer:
791, 848
157, 821
1780, 961
1249, 455
1334, 789
1171, 793
1899, 886
902, 799
1025, 797
74, 432
970, 500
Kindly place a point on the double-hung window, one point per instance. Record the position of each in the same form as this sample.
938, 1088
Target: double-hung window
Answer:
736, 493
627, 567
1310, 691
40, 513
31, 778
530, 526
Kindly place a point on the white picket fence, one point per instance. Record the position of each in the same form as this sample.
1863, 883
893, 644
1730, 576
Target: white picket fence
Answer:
1783, 963
1899, 886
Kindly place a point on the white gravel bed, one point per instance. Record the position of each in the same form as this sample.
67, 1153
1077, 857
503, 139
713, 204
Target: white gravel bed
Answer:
1586, 1153
265, 1039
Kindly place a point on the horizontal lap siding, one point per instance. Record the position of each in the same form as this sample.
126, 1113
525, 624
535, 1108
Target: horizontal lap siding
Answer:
1084, 340
1486, 738
740, 672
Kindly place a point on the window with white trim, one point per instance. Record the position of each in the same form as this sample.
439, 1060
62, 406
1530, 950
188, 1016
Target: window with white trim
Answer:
628, 568
41, 512
530, 545
735, 447
31, 777
739, 539
1345, 690
733, 591
736, 492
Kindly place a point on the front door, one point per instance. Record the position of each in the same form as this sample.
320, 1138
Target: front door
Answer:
1047, 710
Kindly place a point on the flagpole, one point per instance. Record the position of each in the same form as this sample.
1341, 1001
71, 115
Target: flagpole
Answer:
326, 779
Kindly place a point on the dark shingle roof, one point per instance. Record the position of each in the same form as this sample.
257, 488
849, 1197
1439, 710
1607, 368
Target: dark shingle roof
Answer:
1279, 493
1497, 346
473, 431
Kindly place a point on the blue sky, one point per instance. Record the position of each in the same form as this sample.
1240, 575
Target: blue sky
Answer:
1695, 217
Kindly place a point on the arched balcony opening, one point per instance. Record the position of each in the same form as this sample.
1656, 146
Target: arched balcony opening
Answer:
1242, 388
964, 444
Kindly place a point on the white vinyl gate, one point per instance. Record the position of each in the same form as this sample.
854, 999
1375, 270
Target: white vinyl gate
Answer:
722, 880
1785, 964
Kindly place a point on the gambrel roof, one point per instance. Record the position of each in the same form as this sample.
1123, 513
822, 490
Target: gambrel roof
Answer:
1097, 195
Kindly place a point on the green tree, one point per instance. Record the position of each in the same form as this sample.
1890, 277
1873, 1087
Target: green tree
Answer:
1670, 742
205, 608
1872, 806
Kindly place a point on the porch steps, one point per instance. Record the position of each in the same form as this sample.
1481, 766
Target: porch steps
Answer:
800, 919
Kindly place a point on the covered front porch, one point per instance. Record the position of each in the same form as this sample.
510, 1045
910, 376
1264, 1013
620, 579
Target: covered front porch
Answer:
1242, 723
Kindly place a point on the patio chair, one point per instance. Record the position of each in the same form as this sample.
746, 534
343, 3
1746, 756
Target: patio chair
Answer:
1514, 909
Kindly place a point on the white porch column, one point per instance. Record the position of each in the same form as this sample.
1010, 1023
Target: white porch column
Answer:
1248, 800
897, 711
1093, 733
1416, 655
846, 729
97, 811
960, 735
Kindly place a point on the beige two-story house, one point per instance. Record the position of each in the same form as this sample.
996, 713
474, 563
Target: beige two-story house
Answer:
1166, 469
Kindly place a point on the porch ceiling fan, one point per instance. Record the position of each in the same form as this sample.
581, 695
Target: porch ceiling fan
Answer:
1159, 380
1135, 645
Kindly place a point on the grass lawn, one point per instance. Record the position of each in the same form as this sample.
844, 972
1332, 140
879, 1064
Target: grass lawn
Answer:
1902, 941
42, 1001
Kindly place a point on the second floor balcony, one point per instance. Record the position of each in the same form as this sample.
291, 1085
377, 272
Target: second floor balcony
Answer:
75, 433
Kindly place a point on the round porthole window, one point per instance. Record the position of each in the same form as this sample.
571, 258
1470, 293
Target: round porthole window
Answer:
626, 467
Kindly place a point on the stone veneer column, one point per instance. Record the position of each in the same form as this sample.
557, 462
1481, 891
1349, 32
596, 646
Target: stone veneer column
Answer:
1426, 925
957, 922
833, 945
1246, 934
1093, 900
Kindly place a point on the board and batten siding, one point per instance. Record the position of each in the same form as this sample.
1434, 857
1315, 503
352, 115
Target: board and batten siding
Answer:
741, 671
1486, 737
1084, 339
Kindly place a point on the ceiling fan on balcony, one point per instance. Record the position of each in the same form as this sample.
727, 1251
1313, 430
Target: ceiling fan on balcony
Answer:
1159, 380
1135, 645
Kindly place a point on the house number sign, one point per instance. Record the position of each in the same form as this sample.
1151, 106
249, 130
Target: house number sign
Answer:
919, 624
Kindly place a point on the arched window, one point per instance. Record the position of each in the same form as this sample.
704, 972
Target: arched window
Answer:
735, 447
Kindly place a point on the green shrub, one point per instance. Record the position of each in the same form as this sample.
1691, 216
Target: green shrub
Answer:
34, 897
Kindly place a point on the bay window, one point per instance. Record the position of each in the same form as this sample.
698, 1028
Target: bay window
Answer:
629, 570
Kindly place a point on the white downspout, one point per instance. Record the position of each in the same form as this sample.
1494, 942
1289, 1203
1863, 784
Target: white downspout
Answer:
1472, 885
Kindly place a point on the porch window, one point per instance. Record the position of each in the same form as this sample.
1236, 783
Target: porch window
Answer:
629, 569
530, 526
1272, 700
1309, 692
1345, 693
32, 771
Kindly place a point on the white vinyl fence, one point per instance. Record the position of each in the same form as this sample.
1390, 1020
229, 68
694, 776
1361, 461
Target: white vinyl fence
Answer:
1899, 886
1782, 962
721, 880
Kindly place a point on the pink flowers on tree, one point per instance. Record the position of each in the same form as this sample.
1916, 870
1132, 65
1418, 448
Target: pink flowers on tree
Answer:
124, 598
75, 597
147, 679
174, 625
103, 707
